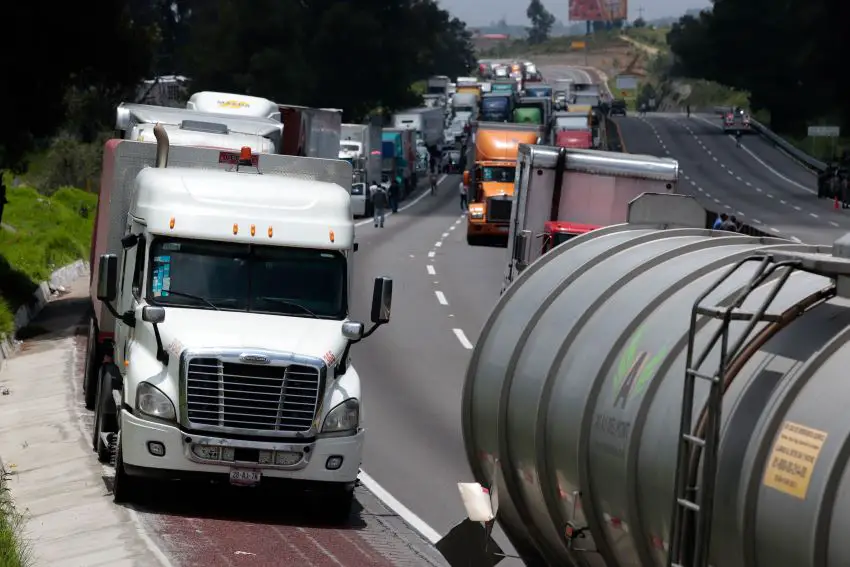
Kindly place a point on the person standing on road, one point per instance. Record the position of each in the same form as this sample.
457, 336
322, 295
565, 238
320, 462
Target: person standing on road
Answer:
395, 189
688, 109
718, 222
464, 195
3, 200
379, 205
433, 184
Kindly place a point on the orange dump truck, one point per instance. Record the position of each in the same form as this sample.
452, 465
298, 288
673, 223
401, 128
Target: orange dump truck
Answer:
490, 176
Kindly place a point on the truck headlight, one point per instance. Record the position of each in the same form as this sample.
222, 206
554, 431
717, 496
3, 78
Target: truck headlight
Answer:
151, 401
476, 213
344, 417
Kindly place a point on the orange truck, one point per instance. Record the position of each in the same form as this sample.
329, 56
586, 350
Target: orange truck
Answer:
489, 177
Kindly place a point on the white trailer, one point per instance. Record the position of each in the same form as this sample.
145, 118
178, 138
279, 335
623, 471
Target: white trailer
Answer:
219, 345
428, 123
200, 129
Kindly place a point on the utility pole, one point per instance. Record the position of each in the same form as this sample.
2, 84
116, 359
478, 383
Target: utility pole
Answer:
640, 12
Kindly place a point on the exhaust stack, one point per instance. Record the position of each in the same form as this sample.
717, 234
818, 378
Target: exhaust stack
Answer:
162, 145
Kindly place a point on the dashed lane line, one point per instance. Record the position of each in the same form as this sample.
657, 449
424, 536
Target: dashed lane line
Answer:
441, 297
461, 337
431, 270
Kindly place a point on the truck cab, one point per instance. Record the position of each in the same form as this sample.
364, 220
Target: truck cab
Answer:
219, 347
496, 107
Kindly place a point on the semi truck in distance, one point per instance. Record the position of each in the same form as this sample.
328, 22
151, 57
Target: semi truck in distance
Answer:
563, 193
427, 124
659, 394
361, 147
218, 346
202, 129
491, 165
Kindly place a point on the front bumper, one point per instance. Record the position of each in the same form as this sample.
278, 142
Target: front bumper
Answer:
480, 227
179, 461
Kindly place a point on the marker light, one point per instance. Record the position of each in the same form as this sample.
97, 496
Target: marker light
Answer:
253, 230
171, 223
331, 235
271, 232
235, 228
245, 154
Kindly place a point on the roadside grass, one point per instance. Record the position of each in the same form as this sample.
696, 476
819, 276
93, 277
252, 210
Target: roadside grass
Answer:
42, 235
13, 550
562, 44
653, 37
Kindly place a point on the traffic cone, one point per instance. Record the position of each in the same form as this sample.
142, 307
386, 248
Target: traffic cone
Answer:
835, 205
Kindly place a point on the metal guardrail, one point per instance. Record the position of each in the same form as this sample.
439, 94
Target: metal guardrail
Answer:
800, 156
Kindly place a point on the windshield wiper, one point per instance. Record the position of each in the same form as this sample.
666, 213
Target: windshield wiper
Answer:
281, 301
189, 296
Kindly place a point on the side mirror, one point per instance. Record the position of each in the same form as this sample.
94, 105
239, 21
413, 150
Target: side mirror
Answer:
466, 177
107, 278
153, 314
352, 330
382, 300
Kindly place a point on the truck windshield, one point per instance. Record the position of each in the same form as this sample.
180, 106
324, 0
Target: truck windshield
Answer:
299, 282
498, 174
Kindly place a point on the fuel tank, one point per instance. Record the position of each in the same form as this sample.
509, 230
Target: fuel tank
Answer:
574, 395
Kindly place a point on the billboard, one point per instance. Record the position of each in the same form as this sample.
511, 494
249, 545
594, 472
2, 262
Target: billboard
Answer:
627, 82
598, 10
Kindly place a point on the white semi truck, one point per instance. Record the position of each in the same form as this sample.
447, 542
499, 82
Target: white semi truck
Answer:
360, 145
220, 334
186, 127
428, 123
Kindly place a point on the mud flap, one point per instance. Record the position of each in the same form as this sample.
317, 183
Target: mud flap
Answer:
470, 544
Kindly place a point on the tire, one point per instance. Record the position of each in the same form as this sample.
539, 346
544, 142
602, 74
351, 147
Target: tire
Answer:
125, 488
336, 505
91, 370
103, 423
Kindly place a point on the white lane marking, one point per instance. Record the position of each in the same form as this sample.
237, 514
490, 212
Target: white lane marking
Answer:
438, 244
452, 227
759, 189
431, 254
750, 185
833, 223
425, 193
798, 208
431, 270
441, 297
795, 239
813, 215
403, 511
774, 229
445, 234
783, 201
461, 336
149, 543
756, 221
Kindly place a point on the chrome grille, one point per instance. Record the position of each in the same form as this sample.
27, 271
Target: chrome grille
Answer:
499, 209
250, 396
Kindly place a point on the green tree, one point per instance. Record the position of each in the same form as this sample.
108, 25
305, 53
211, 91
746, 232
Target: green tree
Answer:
639, 23
541, 22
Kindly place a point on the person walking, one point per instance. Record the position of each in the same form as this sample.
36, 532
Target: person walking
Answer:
433, 184
379, 205
718, 222
464, 197
688, 108
395, 189
3, 200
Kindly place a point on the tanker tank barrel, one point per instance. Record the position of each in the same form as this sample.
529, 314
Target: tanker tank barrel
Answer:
656, 393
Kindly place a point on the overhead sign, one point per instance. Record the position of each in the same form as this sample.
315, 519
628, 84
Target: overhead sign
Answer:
824, 131
627, 82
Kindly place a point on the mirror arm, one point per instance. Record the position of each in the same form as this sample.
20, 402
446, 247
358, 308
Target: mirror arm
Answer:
129, 318
161, 355
369, 332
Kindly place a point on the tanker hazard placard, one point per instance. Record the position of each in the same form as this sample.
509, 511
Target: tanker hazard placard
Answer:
794, 454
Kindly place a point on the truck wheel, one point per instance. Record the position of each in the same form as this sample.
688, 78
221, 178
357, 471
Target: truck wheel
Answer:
90, 373
336, 505
104, 422
124, 487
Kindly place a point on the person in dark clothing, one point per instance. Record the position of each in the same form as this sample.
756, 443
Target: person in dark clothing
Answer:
395, 191
3, 200
718, 222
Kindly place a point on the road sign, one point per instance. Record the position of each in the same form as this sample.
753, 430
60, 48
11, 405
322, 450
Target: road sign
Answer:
578, 45
627, 82
824, 131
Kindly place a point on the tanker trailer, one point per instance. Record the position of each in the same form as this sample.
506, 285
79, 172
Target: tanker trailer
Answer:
592, 403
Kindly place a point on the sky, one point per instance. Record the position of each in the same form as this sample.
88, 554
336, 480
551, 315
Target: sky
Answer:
482, 12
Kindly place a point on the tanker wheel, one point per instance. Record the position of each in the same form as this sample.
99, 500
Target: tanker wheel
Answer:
90, 372
103, 422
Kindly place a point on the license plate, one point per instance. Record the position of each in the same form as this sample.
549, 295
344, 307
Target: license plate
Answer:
245, 477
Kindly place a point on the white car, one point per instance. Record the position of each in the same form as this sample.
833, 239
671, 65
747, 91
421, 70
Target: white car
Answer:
361, 200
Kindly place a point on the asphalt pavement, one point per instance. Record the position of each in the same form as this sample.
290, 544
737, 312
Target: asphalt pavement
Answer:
758, 183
